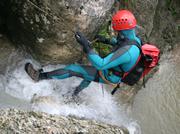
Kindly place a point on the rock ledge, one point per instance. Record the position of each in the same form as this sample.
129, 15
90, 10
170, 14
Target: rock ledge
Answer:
18, 121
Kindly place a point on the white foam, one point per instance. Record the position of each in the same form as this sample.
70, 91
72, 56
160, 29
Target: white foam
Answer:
21, 86
92, 104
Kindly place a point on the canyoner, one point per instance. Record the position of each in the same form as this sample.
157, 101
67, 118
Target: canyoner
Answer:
129, 61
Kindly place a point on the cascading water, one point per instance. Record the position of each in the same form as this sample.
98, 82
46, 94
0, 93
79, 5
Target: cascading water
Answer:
51, 96
157, 106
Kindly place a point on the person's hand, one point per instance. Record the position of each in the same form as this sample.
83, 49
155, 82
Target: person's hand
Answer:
100, 38
81, 39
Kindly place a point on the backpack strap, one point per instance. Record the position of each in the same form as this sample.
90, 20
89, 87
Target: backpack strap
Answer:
132, 42
127, 42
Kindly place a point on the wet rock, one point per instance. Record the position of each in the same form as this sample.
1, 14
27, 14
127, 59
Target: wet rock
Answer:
164, 32
47, 27
15, 121
6, 49
157, 21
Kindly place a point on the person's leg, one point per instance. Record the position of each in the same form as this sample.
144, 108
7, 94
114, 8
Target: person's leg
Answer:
88, 73
85, 72
81, 86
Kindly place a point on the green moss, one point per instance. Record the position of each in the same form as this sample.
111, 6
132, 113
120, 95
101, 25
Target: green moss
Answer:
171, 8
104, 30
103, 49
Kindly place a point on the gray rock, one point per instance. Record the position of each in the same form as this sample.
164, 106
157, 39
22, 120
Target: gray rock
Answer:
158, 23
16, 121
164, 32
6, 49
47, 27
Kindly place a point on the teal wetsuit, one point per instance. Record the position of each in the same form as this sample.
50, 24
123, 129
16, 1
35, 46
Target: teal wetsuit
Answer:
122, 59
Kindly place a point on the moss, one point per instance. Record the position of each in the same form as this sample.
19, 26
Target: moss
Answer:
103, 49
178, 28
171, 8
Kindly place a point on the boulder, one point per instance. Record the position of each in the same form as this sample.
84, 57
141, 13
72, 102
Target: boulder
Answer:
46, 28
18, 121
6, 49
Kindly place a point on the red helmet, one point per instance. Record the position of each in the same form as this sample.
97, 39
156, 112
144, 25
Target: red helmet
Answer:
123, 20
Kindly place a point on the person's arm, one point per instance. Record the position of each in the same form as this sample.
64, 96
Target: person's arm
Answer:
114, 59
121, 56
112, 41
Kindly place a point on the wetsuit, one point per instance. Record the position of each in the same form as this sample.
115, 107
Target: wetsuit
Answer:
122, 59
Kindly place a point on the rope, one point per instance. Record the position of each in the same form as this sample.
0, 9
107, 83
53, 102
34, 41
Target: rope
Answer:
40, 9
59, 20
51, 16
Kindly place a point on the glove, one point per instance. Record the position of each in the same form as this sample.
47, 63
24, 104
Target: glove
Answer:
102, 39
81, 39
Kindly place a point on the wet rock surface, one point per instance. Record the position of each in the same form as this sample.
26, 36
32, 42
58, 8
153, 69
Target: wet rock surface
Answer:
47, 27
16, 121
6, 49
158, 21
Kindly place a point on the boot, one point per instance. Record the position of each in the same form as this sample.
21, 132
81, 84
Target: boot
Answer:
77, 91
34, 74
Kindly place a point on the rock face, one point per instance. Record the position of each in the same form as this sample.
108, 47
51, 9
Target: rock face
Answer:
158, 20
165, 24
15, 121
47, 27
6, 49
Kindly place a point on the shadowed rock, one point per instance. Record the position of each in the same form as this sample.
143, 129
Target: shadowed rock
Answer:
47, 27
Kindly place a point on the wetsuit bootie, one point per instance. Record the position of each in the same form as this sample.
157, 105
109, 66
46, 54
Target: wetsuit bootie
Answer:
77, 91
34, 74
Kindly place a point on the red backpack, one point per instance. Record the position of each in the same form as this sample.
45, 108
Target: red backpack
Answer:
149, 58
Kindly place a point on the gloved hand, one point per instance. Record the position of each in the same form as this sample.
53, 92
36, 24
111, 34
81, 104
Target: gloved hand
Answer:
81, 39
102, 39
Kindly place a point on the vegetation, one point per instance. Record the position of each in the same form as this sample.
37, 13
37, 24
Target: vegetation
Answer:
171, 8
101, 48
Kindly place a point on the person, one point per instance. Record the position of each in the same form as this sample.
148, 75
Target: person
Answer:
103, 69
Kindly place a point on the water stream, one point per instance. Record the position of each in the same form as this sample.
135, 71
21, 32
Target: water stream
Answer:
155, 108
52, 96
